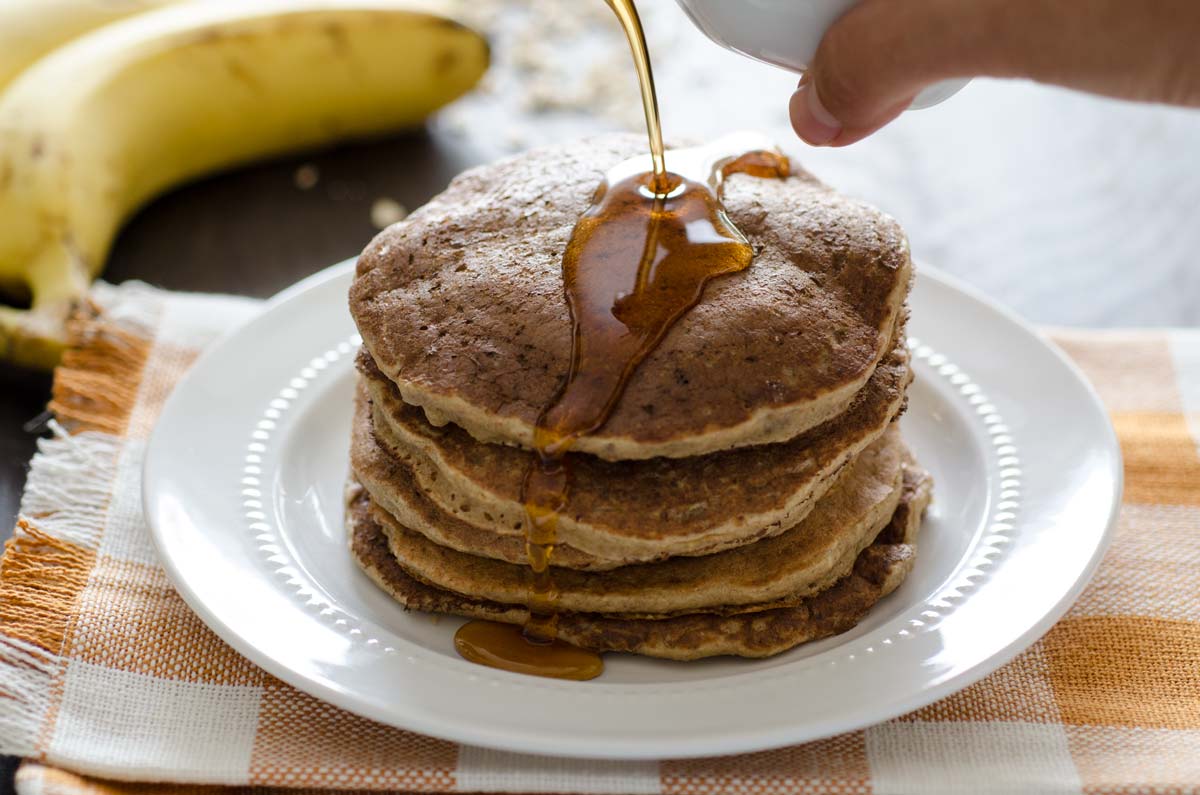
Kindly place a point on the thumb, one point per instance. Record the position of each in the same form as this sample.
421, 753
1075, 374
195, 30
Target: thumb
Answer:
881, 53
872, 62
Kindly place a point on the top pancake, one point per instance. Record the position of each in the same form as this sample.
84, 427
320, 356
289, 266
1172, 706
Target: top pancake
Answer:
462, 306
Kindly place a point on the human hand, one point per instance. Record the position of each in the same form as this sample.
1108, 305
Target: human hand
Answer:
877, 56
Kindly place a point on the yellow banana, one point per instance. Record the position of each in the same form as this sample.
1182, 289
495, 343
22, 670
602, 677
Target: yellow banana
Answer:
31, 28
93, 130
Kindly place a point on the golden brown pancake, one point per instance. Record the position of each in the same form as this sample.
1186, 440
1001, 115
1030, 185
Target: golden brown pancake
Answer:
388, 478
877, 571
800, 562
621, 512
462, 306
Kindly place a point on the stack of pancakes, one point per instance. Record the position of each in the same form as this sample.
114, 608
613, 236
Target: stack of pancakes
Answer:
750, 490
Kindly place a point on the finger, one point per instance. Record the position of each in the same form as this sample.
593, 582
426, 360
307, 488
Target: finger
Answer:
817, 126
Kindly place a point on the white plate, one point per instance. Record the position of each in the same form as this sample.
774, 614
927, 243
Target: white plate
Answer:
243, 491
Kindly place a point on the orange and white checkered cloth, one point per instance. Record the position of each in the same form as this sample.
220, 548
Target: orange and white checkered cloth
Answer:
107, 677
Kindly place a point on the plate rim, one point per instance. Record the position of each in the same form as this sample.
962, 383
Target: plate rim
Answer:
742, 739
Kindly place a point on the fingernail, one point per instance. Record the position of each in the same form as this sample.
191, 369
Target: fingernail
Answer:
810, 120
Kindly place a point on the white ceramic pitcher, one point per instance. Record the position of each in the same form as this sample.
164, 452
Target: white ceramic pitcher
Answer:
784, 33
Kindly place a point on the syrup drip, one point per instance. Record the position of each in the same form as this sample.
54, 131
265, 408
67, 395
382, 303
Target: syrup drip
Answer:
637, 261
504, 646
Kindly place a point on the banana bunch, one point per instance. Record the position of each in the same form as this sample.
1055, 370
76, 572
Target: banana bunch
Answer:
104, 122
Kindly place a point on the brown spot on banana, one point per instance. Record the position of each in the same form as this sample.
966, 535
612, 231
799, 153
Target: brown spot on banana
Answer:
338, 38
444, 62
242, 74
